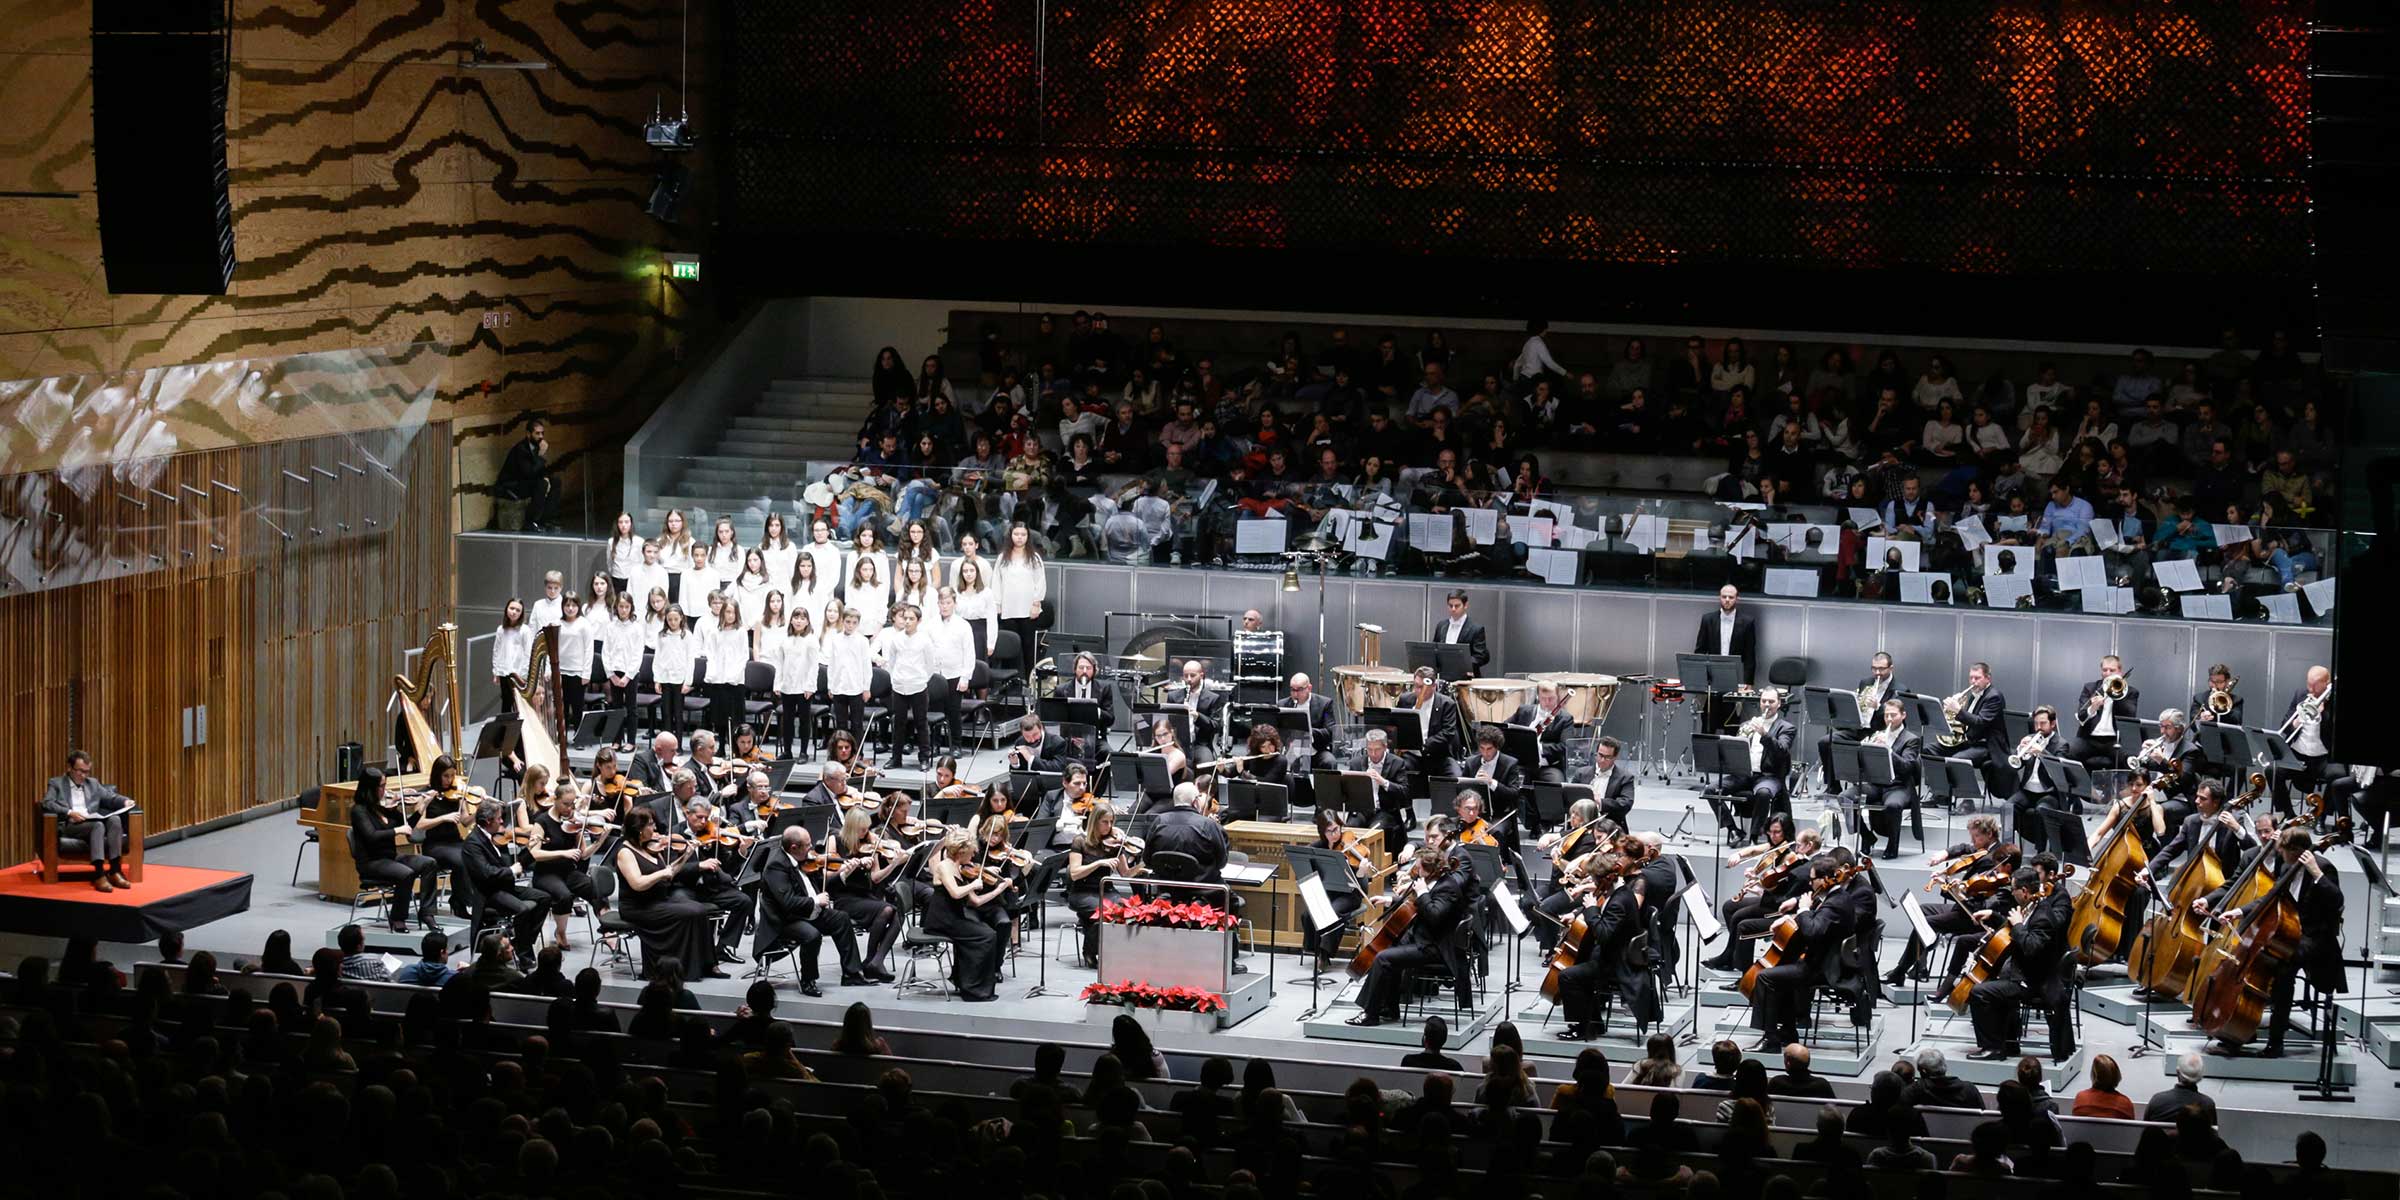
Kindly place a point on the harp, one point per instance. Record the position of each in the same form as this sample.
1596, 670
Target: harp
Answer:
412, 695
539, 703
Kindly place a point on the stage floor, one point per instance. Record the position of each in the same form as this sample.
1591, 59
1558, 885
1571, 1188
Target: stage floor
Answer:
2261, 1117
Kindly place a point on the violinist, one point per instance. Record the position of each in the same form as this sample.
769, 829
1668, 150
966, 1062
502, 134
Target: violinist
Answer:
1977, 857
1097, 854
377, 835
498, 880
997, 802
841, 746
1827, 916
961, 891
1070, 804
566, 838
1474, 830
1547, 905
1001, 860
862, 888
2307, 880
612, 792
1439, 884
672, 923
755, 807
898, 821
709, 877
1614, 958
746, 753
1778, 871
946, 785
1342, 894
2033, 968
652, 766
442, 828
796, 912
715, 774
833, 787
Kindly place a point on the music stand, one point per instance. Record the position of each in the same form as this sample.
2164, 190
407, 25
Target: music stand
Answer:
1522, 744
1064, 710
1832, 708
1448, 659
1400, 727
1724, 757
1270, 801
2071, 781
954, 812
1150, 775
1845, 768
1924, 714
1443, 793
1485, 862
1332, 874
1953, 780
1549, 802
1036, 834
598, 727
2226, 745
1350, 792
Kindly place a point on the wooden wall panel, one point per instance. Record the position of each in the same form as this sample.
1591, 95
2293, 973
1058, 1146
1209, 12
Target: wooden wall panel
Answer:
291, 646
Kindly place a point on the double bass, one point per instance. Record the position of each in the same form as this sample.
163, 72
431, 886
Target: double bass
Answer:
2163, 953
2096, 927
1786, 929
1396, 920
2242, 964
1985, 962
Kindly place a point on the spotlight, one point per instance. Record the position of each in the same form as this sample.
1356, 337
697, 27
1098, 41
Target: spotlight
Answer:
669, 133
666, 193
1291, 577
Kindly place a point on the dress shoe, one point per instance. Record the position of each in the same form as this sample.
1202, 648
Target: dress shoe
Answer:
893, 765
856, 981
2272, 1050
1365, 1021
713, 973
1574, 1033
118, 878
1891, 852
397, 924
729, 955
1979, 1054
810, 988
879, 975
100, 883
1768, 1045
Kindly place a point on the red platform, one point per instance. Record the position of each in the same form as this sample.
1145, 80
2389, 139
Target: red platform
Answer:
167, 898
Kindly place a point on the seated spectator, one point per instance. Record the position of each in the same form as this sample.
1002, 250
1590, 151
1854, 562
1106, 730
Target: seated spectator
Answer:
1665, 1130
776, 1059
1936, 1087
549, 978
200, 977
432, 968
1204, 1110
1987, 1153
1883, 1095
1797, 1079
2186, 1092
1829, 1147
1658, 1067
2102, 1099
1429, 1056
2312, 1179
1749, 1083
858, 1038
753, 1017
525, 475
1049, 1059
170, 946
1130, 1043
1724, 1057
357, 962
581, 1012
325, 1051
1900, 1151
2024, 1124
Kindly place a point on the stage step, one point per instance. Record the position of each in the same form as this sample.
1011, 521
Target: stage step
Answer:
407, 947
2299, 1063
1332, 1024
1836, 1053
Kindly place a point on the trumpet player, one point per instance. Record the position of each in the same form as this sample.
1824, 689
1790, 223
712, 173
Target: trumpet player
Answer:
2308, 727
2104, 704
2218, 705
1770, 735
1977, 711
1879, 685
2041, 806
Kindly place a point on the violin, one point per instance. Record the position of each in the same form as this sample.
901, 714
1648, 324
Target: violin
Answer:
714, 833
1350, 848
959, 791
1478, 834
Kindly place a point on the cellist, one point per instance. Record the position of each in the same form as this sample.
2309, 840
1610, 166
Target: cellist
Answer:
1608, 963
2035, 966
1836, 913
2307, 881
1440, 884
1980, 853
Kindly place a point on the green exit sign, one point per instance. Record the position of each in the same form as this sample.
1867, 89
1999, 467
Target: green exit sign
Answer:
683, 268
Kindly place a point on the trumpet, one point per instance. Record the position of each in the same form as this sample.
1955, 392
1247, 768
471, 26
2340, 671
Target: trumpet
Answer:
2220, 700
2030, 746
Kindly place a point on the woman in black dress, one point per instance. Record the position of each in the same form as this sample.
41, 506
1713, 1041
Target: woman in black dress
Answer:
442, 830
960, 893
1095, 856
672, 922
376, 833
1333, 835
1265, 740
1006, 862
862, 888
560, 857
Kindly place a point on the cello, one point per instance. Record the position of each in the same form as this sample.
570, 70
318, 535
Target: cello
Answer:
1574, 942
2242, 965
1396, 920
1985, 962
2170, 942
1786, 930
2096, 927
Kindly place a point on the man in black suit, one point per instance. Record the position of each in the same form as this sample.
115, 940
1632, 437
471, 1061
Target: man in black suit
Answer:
1036, 748
2220, 679
650, 767
1458, 629
1086, 684
1504, 775
500, 886
1782, 989
1547, 716
1980, 853
1612, 784
1609, 967
2207, 829
1769, 785
1883, 818
1197, 708
1728, 631
2308, 881
1312, 749
1394, 814
1986, 736
2097, 718
525, 475
709, 879
2032, 969
1444, 886
1881, 684
1437, 717
2309, 730
833, 787
793, 911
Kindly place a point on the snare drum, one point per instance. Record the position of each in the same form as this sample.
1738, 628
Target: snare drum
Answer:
1494, 701
1587, 695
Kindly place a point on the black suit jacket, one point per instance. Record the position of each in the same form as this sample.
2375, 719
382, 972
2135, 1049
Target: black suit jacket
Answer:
2321, 927
2128, 708
1906, 750
2324, 724
1184, 831
524, 462
1104, 694
1745, 639
1320, 719
486, 865
782, 890
1983, 725
1553, 737
1775, 748
2197, 833
650, 772
1393, 792
1211, 711
1616, 797
2038, 945
1479, 651
1444, 726
2232, 716
1508, 777
1052, 755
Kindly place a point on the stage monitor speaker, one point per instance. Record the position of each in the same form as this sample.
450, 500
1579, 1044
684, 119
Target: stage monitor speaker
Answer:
160, 74
349, 759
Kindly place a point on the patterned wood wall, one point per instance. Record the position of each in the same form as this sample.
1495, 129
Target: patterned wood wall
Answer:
382, 195
290, 646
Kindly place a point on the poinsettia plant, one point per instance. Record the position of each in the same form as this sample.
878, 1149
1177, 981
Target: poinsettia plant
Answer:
1170, 914
1136, 994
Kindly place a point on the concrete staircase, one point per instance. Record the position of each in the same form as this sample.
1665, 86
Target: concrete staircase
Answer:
762, 457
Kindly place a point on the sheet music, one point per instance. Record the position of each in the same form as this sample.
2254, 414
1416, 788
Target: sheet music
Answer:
2022, 555
1647, 533
1558, 513
1430, 532
1866, 519
1971, 533
2320, 595
2011, 524
2283, 608
1483, 526
1792, 581
2108, 600
1916, 587
1917, 921
2229, 534
1786, 534
2104, 532
1370, 539
1744, 544
1265, 536
1553, 565
2003, 591
1510, 910
1319, 907
1576, 537
2201, 606
1704, 914
2177, 574
1533, 531
2082, 571
1909, 551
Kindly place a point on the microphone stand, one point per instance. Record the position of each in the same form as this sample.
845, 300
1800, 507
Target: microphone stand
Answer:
2142, 1047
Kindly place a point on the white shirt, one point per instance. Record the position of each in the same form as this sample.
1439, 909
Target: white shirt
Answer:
780, 558
983, 569
883, 569
1486, 765
543, 612
874, 605
728, 653
1019, 585
1455, 630
795, 660
512, 650
673, 661
645, 578
1600, 781
724, 563
751, 598
2308, 738
2106, 726
1724, 632
849, 664
1534, 358
811, 600
79, 801
953, 643
907, 657
933, 568
575, 642
978, 609
675, 556
828, 558
621, 646
624, 557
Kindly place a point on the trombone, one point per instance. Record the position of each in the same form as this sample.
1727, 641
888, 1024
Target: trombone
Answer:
2220, 700
2114, 687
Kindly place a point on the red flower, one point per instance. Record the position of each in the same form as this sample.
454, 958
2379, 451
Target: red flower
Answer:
1137, 994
